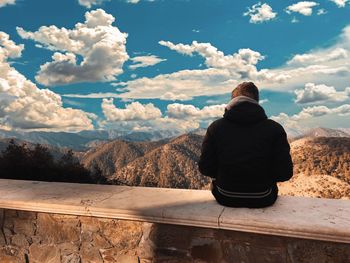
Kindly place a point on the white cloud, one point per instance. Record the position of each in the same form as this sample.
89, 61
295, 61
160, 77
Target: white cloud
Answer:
145, 61
244, 59
313, 93
329, 66
132, 111
340, 3
182, 111
308, 116
101, 46
321, 11
223, 72
302, 7
181, 85
138, 1
178, 118
171, 96
320, 57
260, 13
7, 2
172, 126
24, 106
90, 3
142, 117
98, 95
8, 48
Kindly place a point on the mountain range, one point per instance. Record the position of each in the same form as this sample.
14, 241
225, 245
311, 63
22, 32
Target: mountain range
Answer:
84, 140
81, 141
321, 164
321, 160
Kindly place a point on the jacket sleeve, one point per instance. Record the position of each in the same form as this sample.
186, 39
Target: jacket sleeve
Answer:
282, 164
208, 160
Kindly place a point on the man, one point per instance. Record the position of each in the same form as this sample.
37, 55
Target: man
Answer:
245, 153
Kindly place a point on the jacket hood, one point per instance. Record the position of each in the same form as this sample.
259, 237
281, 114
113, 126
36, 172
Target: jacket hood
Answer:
244, 110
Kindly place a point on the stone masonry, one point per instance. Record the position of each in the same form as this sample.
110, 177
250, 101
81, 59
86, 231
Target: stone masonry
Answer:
53, 238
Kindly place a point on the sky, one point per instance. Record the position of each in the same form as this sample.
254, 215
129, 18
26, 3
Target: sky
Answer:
142, 65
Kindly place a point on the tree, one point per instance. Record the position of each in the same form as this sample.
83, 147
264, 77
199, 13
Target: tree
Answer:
18, 161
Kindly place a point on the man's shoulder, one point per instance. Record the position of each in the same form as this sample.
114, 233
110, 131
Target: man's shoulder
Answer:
217, 123
275, 125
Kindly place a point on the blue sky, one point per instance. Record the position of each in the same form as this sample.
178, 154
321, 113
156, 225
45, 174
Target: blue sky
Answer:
171, 64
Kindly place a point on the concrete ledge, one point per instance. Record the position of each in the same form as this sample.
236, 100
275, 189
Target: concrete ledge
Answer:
308, 218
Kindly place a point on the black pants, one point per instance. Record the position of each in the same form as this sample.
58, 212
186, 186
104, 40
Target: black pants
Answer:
245, 202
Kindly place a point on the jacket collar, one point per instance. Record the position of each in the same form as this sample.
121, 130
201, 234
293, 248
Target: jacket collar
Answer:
239, 99
244, 110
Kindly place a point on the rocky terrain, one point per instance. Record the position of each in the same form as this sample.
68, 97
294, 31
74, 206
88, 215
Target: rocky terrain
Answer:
112, 156
173, 164
321, 168
166, 163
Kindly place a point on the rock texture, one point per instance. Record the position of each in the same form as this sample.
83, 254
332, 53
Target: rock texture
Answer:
55, 238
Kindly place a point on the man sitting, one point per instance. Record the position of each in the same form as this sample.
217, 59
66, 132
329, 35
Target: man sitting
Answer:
245, 153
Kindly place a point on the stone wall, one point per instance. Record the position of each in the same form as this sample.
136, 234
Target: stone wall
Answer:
42, 237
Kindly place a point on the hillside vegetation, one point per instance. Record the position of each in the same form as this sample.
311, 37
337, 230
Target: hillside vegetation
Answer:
321, 164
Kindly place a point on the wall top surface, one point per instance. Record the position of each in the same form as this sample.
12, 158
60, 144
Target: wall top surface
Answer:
310, 218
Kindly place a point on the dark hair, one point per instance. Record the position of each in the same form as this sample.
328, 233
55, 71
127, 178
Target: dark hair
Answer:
247, 89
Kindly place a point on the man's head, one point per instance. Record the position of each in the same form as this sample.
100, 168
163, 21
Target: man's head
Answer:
247, 89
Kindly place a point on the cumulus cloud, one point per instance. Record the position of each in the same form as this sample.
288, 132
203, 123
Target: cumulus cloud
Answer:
181, 85
90, 3
307, 115
172, 126
340, 3
101, 46
329, 66
222, 73
97, 95
313, 93
7, 2
178, 118
182, 111
171, 96
132, 111
145, 61
24, 106
302, 7
320, 57
260, 13
142, 117
8, 48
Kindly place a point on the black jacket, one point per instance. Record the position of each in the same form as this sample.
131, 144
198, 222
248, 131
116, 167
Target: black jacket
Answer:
245, 152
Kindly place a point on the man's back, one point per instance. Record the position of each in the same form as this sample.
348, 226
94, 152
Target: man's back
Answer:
247, 154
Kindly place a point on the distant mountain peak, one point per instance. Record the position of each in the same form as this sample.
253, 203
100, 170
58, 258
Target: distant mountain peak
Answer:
325, 132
